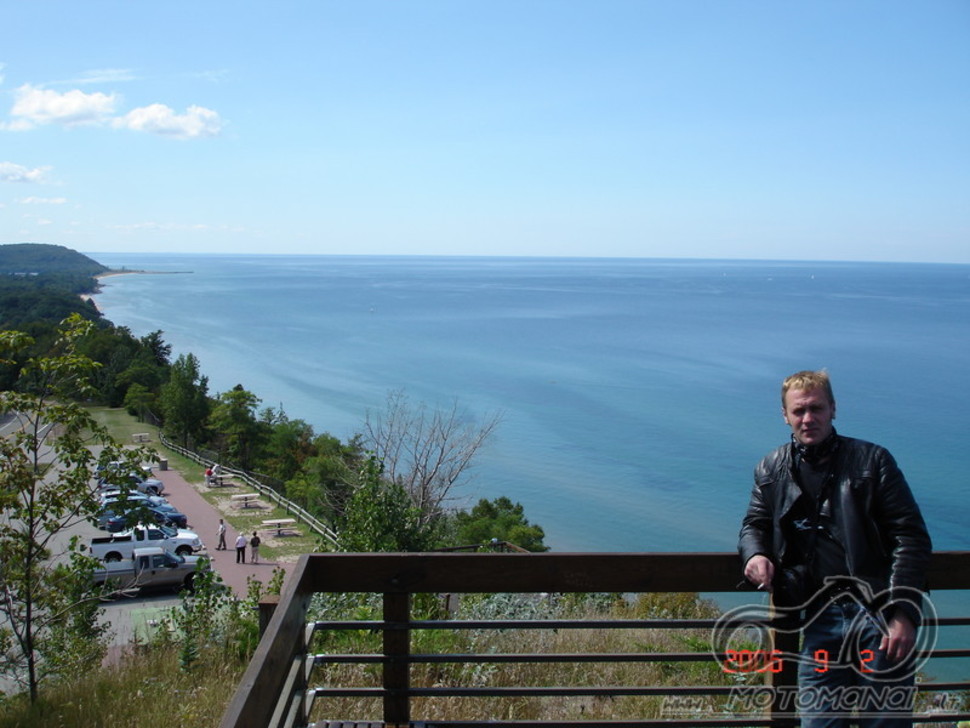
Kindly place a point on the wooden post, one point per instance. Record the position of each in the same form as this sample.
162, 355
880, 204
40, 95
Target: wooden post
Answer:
397, 666
267, 607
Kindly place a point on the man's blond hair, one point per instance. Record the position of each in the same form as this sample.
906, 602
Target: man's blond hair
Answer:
807, 381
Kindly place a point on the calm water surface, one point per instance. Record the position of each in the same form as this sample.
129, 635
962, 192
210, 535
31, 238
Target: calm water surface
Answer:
636, 395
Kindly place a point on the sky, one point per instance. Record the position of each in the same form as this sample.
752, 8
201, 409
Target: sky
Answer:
633, 128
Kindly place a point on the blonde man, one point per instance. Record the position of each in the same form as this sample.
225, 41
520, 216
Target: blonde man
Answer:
827, 509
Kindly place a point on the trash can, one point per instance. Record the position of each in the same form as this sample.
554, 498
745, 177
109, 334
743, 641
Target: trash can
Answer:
162, 464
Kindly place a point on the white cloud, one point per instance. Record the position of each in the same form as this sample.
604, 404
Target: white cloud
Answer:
161, 119
34, 106
10, 172
42, 200
106, 75
177, 227
212, 76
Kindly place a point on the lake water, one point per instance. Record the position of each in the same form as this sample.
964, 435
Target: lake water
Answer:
635, 395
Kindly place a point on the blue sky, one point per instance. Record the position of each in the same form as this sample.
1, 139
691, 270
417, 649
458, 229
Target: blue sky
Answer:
710, 129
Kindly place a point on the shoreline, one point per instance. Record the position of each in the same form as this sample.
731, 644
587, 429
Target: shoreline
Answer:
125, 272
90, 297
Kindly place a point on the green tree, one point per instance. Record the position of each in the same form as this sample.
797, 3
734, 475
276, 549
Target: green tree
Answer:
327, 479
499, 520
238, 432
381, 517
46, 469
184, 401
139, 401
288, 444
157, 348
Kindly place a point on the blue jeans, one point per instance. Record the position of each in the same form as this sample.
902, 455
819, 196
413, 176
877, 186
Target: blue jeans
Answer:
844, 679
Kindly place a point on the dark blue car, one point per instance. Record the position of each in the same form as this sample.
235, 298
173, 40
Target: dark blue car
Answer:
114, 521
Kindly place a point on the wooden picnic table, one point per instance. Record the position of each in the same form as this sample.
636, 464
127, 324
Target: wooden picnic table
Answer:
245, 498
279, 524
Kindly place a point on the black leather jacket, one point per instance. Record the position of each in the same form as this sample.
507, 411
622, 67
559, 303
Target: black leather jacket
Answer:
877, 519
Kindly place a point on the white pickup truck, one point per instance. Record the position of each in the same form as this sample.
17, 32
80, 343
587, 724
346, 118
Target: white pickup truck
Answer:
122, 545
150, 567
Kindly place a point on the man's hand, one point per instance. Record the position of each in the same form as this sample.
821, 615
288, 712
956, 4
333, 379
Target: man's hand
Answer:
901, 638
760, 571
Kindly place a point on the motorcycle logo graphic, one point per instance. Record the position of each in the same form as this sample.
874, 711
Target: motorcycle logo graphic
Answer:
741, 638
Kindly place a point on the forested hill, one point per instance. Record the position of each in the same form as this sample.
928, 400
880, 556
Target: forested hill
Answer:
38, 258
40, 285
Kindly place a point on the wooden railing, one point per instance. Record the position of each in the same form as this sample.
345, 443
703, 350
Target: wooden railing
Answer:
271, 494
277, 689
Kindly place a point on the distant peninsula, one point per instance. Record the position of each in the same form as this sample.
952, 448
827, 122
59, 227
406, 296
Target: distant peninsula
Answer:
33, 259
46, 282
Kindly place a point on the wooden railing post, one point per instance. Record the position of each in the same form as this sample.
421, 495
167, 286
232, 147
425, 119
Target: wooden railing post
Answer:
267, 608
397, 665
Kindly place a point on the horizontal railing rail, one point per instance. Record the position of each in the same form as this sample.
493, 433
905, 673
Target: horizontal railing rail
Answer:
282, 686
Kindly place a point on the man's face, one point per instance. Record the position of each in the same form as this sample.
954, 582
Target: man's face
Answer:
809, 414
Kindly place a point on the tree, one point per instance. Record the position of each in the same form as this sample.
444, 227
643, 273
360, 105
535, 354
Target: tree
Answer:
46, 469
139, 401
425, 452
288, 445
156, 346
184, 400
380, 516
499, 520
234, 419
327, 479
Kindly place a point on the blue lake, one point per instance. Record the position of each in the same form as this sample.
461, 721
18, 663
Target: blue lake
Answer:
636, 395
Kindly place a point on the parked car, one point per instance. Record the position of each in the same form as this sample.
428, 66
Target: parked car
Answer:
121, 546
160, 504
114, 517
114, 476
150, 567
117, 495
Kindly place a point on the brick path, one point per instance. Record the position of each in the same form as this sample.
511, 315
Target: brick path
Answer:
204, 520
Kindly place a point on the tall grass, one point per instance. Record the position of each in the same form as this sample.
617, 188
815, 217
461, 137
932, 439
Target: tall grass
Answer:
154, 686
147, 688
495, 675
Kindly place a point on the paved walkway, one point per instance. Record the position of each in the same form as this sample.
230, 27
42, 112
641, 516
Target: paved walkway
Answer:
204, 520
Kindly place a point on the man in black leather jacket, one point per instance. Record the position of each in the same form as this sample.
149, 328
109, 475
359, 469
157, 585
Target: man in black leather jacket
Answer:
827, 506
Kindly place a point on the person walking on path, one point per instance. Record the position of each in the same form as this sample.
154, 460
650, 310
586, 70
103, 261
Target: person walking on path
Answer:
241, 549
254, 543
221, 532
